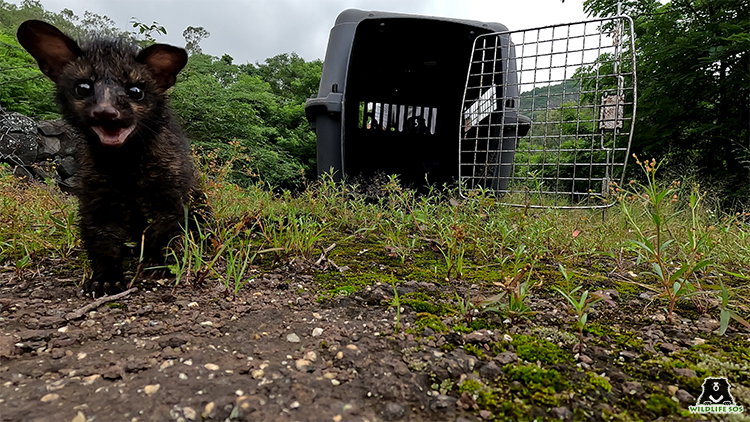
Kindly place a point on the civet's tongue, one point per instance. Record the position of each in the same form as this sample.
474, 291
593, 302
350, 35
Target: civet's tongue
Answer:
113, 136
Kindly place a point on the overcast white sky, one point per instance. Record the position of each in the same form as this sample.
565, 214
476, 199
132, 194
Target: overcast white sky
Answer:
253, 30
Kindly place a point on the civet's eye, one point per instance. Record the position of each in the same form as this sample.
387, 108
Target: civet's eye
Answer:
135, 93
84, 89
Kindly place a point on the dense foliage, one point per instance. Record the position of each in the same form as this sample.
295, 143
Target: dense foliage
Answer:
693, 63
252, 114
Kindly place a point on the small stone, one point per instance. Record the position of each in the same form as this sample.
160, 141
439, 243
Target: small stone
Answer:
166, 364
207, 324
239, 393
7, 346
302, 364
311, 356
684, 397
698, 341
393, 411
507, 338
63, 330
50, 397
352, 347
190, 413
628, 355
81, 356
208, 411
443, 401
335, 382
562, 413
151, 389
57, 385
79, 417
505, 358
211, 367
337, 418
585, 359
490, 370
329, 375
182, 376
340, 355
58, 353
192, 304
485, 414
91, 379
672, 389
317, 331
257, 373
292, 338
685, 372
174, 341
669, 347
659, 318
294, 405
317, 315
479, 336
633, 388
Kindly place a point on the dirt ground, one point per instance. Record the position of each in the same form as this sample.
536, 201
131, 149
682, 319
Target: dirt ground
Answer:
277, 353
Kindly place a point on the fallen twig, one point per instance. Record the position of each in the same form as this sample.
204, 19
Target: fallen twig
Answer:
97, 303
324, 255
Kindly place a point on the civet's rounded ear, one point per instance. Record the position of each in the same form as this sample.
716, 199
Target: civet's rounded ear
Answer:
52, 49
165, 62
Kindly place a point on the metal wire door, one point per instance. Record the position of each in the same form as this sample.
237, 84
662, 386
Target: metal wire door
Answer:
548, 113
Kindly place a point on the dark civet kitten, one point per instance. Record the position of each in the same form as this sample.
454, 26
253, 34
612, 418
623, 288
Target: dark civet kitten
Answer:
135, 167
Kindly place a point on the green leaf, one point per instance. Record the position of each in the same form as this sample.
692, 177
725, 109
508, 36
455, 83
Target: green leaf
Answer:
661, 196
568, 297
702, 264
582, 302
724, 321
656, 218
644, 245
564, 273
665, 245
657, 270
735, 316
676, 275
742, 276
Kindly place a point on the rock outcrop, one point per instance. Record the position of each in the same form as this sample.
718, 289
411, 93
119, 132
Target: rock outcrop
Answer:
41, 150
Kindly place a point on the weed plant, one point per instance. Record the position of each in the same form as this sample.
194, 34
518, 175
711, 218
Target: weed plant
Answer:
674, 259
581, 303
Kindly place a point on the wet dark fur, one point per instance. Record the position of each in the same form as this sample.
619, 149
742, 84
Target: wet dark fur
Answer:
138, 189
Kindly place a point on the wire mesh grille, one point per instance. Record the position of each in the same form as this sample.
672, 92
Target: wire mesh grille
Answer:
548, 113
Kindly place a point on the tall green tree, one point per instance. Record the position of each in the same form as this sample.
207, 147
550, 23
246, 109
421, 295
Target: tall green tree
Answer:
290, 76
693, 63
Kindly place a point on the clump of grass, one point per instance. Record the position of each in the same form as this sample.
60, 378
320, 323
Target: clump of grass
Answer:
237, 264
36, 219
